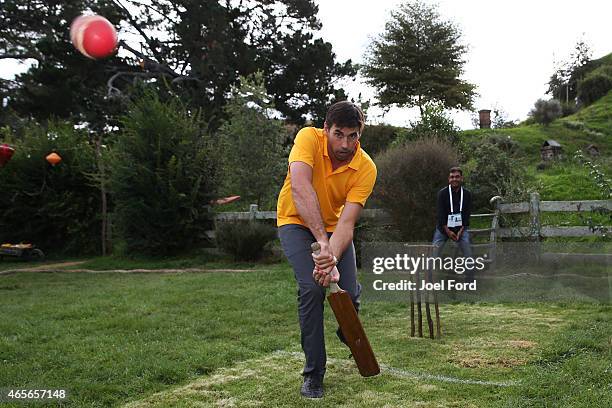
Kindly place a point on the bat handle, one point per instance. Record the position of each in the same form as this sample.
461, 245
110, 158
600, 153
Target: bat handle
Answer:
333, 286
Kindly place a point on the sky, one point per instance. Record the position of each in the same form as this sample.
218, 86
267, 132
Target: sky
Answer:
513, 46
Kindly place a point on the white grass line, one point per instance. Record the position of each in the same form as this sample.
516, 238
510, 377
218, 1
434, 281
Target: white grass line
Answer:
397, 372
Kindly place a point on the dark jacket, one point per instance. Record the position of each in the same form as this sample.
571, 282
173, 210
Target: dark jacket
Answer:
443, 208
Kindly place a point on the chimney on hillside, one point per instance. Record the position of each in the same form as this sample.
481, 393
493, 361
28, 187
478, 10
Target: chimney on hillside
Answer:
485, 118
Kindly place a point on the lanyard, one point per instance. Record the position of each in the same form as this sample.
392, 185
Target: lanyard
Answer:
450, 194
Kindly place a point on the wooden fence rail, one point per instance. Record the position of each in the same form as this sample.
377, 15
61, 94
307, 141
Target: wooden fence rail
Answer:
534, 208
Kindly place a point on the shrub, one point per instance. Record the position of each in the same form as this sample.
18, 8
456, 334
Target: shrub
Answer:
245, 241
505, 143
595, 85
492, 172
409, 178
54, 207
434, 123
376, 138
568, 108
574, 125
545, 112
163, 175
254, 160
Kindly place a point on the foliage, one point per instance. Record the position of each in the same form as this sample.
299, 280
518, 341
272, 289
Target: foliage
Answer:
244, 240
61, 83
563, 84
545, 112
568, 108
603, 183
505, 143
418, 60
434, 123
163, 175
376, 138
492, 172
500, 119
605, 186
410, 176
595, 85
251, 141
54, 207
200, 47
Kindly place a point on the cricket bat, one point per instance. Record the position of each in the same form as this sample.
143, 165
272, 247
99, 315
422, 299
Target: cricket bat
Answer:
351, 327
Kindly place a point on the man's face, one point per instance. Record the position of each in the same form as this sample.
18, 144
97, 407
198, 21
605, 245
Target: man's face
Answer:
342, 142
455, 179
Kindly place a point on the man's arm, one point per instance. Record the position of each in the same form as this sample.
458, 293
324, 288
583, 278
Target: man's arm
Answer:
343, 234
340, 240
307, 203
442, 213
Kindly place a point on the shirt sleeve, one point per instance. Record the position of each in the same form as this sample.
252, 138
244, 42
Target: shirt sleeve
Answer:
361, 190
441, 211
304, 147
467, 210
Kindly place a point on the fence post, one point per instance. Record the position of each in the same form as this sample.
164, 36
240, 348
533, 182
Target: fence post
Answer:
494, 201
534, 215
253, 209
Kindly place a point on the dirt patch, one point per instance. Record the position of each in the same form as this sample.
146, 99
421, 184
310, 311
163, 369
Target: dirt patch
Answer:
57, 268
479, 361
521, 344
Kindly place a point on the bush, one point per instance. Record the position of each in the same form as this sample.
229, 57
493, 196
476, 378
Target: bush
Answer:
434, 123
545, 112
492, 172
54, 207
163, 175
595, 85
568, 108
254, 160
245, 241
505, 143
409, 178
376, 138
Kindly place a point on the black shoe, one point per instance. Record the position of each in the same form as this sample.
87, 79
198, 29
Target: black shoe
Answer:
312, 386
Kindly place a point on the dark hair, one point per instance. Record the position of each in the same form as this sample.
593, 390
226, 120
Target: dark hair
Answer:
455, 169
345, 114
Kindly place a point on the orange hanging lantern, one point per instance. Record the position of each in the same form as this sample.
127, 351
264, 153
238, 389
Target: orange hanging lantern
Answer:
6, 152
53, 158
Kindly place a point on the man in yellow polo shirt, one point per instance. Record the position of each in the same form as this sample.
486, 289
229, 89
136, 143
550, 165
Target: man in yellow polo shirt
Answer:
328, 182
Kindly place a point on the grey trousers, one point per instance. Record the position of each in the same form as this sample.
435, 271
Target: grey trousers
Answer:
295, 241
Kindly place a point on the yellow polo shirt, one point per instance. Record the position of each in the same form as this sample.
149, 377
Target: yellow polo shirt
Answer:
351, 182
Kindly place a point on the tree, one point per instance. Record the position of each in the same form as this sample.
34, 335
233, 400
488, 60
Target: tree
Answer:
545, 112
164, 172
199, 47
54, 207
418, 60
60, 83
433, 124
252, 144
563, 83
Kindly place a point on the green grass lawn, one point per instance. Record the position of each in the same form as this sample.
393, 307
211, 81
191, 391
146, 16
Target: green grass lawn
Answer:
232, 339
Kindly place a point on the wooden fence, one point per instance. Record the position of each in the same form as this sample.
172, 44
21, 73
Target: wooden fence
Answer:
534, 207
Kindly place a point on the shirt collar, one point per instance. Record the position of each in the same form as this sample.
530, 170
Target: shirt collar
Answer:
355, 161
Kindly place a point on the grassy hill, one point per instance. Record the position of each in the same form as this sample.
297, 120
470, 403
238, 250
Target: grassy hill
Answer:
566, 179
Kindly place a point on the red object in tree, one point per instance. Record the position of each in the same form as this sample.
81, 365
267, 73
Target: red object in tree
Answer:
94, 36
6, 152
53, 158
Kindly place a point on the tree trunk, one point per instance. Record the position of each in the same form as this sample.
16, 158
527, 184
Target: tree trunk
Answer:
103, 194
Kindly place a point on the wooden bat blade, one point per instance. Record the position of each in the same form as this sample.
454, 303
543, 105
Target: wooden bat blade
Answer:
353, 332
